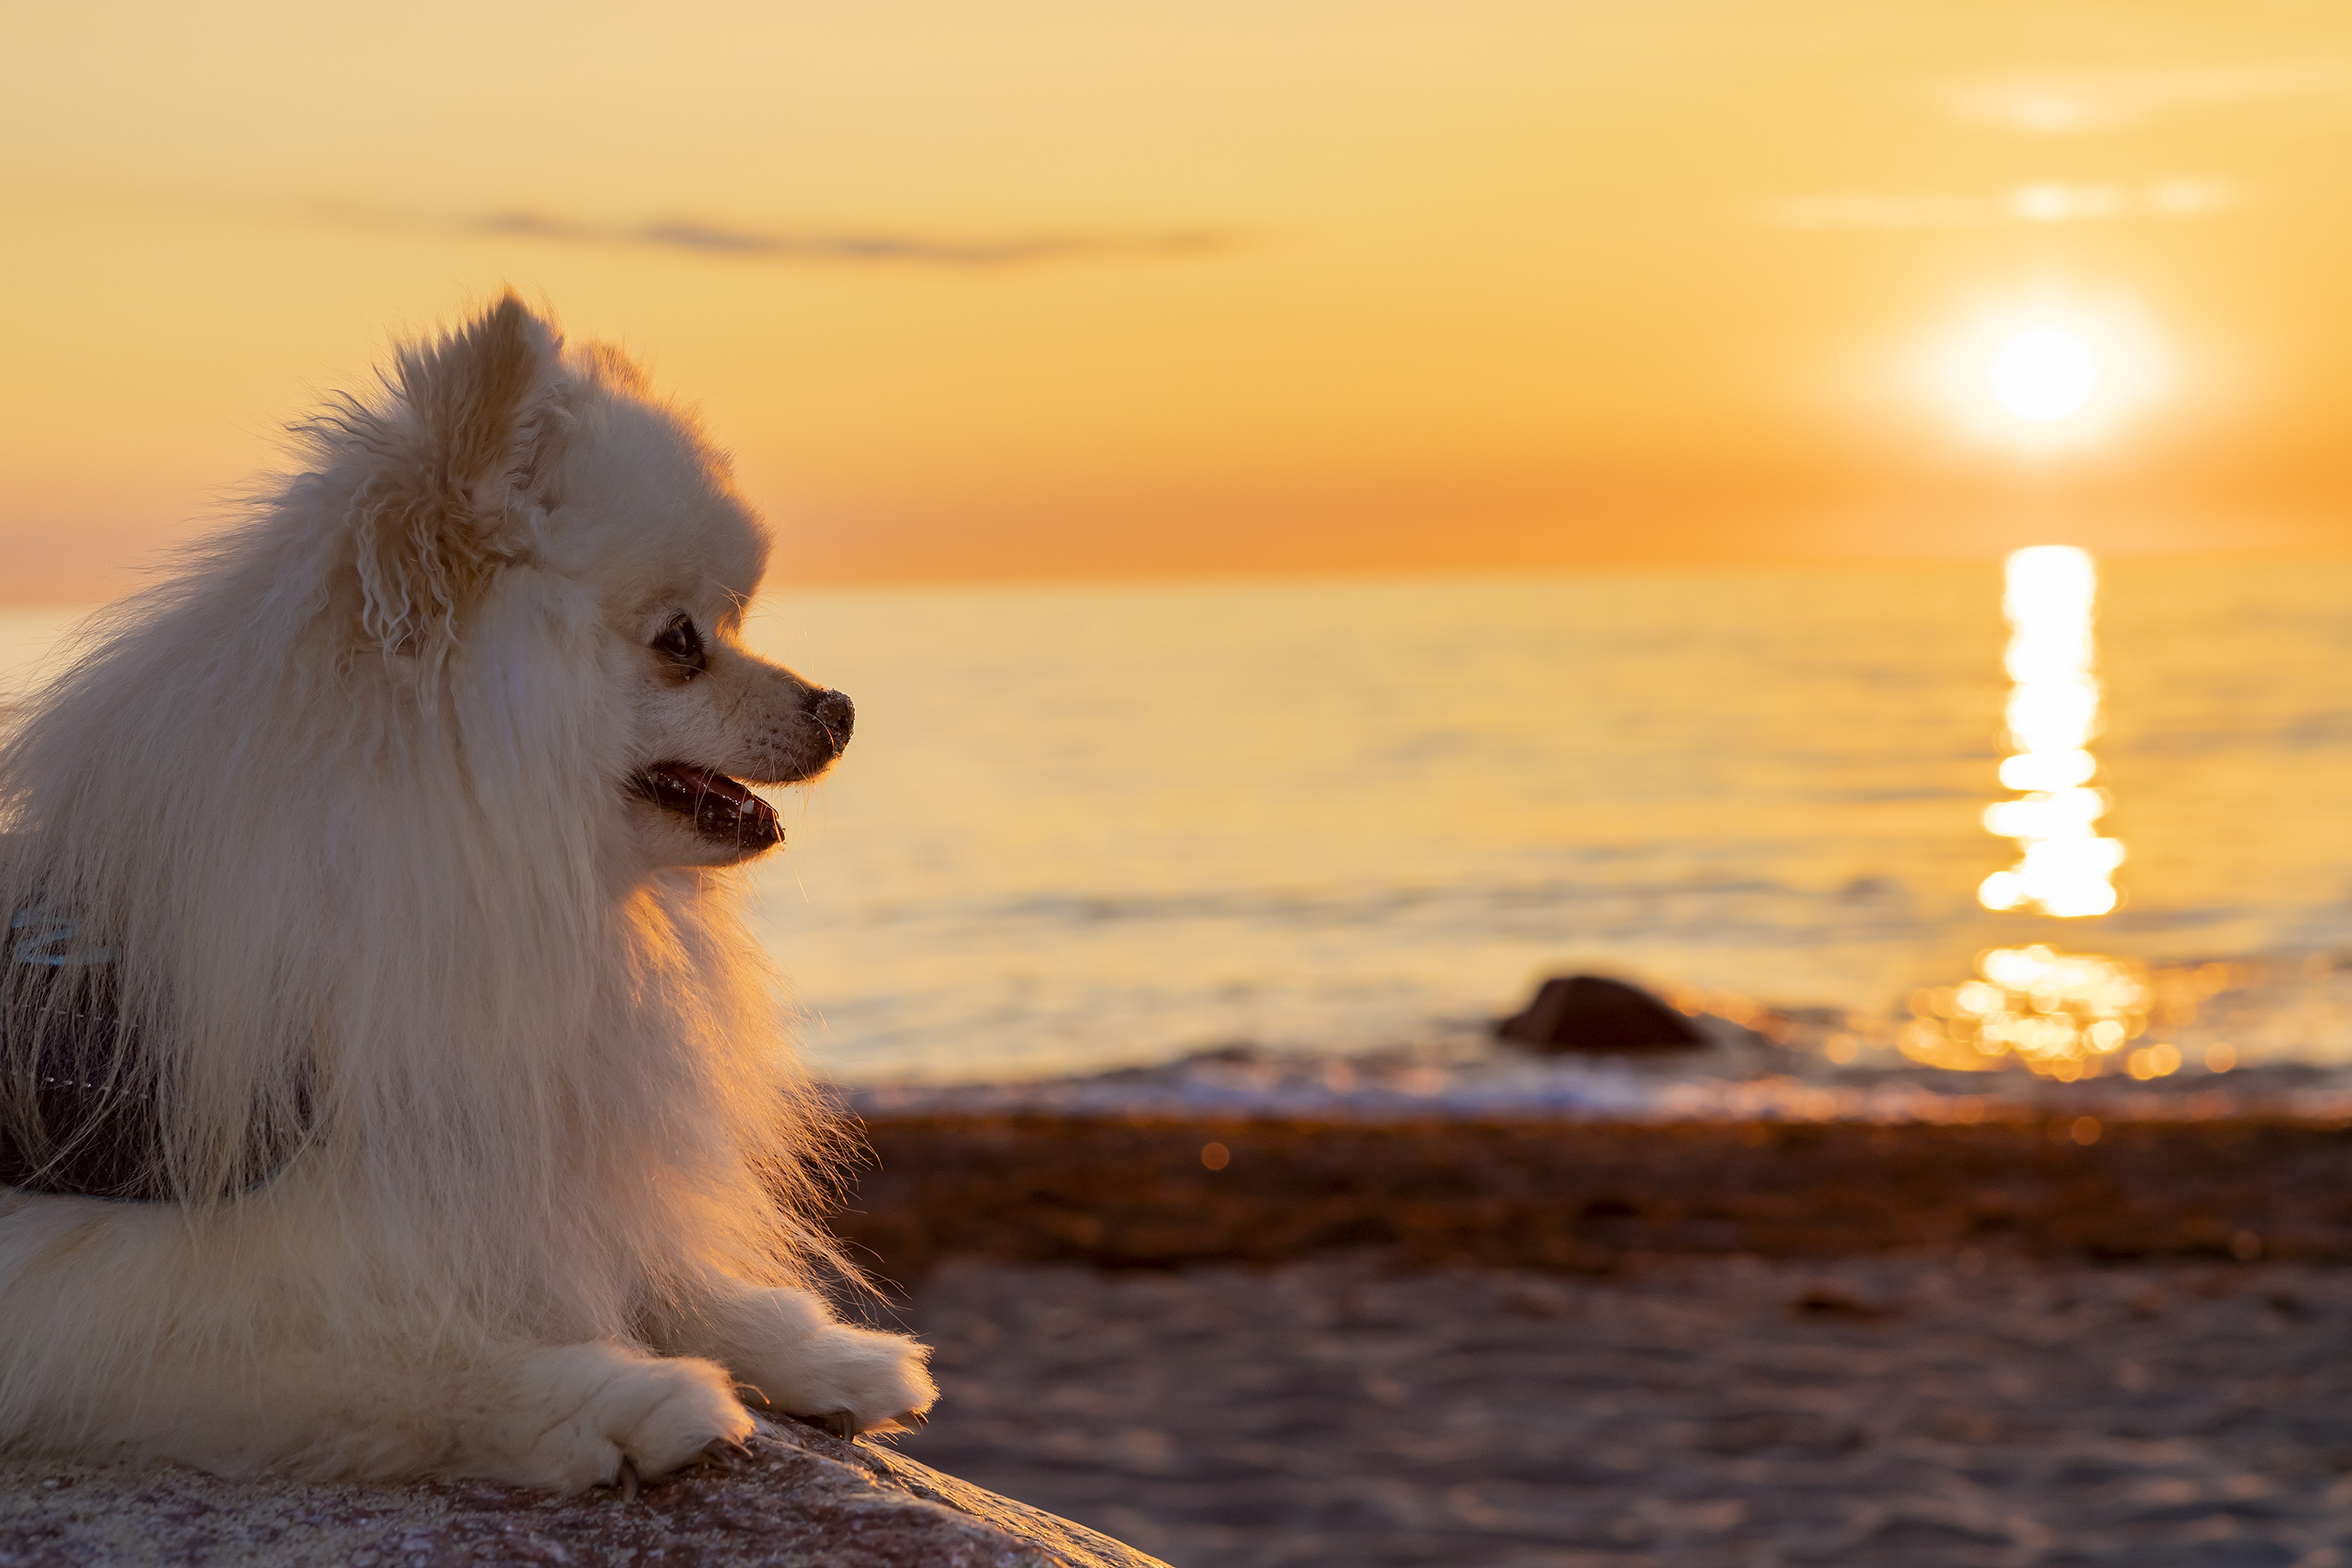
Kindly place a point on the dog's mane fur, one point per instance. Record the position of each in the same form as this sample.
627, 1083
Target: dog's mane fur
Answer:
346, 824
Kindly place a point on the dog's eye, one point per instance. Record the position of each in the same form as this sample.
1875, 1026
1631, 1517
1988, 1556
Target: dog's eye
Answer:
681, 645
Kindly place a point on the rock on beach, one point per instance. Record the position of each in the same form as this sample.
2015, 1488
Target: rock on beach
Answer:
798, 1497
1592, 1014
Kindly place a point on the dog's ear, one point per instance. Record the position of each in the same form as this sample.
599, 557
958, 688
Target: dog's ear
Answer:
470, 445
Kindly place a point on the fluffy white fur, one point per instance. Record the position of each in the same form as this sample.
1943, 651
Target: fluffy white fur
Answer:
350, 794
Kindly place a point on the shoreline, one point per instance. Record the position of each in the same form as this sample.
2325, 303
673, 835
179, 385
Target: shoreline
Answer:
1784, 1070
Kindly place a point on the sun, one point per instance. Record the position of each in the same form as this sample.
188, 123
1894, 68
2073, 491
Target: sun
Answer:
2043, 374
2038, 378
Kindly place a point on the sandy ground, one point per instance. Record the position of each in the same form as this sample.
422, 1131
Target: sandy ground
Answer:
1899, 1409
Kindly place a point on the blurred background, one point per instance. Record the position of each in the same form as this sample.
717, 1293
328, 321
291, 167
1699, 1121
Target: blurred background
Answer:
1332, 514
1328, 513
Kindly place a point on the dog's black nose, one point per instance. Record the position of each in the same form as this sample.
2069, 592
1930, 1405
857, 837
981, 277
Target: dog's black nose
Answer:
837, 715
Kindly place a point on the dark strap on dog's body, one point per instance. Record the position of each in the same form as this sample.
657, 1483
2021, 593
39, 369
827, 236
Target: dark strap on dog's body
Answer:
80, 1069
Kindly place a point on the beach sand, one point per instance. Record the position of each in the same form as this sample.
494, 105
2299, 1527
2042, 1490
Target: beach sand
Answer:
1719, 1411
1613, 1344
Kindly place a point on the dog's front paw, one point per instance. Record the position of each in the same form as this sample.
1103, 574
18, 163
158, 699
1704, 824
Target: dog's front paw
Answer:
853, 1380
599, 1406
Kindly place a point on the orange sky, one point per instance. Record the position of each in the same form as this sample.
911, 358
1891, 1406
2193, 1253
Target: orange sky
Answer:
1042, 289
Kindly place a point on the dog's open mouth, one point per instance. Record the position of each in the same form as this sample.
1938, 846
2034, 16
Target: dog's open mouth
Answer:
719, 808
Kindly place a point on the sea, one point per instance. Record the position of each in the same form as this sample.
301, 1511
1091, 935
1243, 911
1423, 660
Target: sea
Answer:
1296, 845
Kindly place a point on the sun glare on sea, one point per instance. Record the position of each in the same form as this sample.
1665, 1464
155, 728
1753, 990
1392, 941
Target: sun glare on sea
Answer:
2066, 1015
2066, 867
2043, 374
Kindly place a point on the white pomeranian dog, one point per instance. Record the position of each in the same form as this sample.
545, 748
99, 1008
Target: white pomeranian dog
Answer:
388, 1086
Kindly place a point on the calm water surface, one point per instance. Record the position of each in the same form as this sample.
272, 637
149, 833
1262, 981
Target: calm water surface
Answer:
1087, 827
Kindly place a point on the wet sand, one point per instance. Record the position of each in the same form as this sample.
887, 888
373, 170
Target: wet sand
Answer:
1585, 1196
1527, 1345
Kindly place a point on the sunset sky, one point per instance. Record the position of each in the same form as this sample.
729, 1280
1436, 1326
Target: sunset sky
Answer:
1042, 289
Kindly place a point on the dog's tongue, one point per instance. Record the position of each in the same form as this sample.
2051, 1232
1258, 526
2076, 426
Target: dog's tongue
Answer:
721, 807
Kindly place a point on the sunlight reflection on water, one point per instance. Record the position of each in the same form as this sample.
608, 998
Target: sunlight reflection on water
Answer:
2064, 1016
2053, 712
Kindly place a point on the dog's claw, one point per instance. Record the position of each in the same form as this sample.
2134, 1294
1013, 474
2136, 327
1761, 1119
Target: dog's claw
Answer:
912, 1420
628, 1479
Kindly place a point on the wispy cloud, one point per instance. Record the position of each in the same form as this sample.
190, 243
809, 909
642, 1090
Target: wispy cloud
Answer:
800, 246
2062, 103
2048, 203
